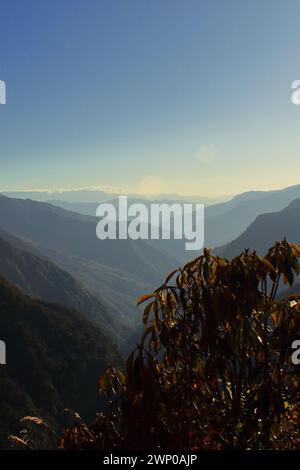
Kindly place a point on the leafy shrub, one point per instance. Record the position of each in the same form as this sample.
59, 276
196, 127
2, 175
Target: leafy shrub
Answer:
213, 368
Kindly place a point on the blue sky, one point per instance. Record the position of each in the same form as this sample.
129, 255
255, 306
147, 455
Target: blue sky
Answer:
184, 96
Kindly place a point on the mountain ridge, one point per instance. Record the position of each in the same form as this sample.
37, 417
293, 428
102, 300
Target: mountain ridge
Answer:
54, 357
265, 230
41, 278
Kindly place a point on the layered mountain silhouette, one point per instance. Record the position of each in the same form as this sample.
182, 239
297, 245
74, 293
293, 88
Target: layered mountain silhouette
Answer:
40, 278
95, 195
115, 272
54, 356
114, 291
54, 352
226, 221
75, 234
110, 275
266, 230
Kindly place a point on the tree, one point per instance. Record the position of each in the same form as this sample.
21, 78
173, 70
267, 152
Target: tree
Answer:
213, 368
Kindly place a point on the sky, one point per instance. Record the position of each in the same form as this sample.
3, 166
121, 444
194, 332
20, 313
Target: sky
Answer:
161, 96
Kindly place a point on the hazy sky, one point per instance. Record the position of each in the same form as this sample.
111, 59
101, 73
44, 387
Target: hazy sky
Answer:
185, 96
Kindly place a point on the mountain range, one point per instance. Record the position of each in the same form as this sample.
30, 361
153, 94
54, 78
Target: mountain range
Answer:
95, 195
64, 292
75, 234
115, 272
41, 278
266, 230
224, 221
53, 251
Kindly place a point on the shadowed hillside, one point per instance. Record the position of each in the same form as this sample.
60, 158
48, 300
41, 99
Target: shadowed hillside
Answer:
226, 221
40, 278
75, 234
265, 229
114, 271
54, 356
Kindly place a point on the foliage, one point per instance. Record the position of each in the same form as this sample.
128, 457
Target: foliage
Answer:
36, 435
213, 368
